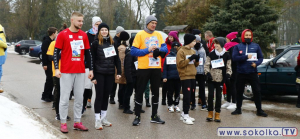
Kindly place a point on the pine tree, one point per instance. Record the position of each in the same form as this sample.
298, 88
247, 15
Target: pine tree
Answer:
159, 10
238, 15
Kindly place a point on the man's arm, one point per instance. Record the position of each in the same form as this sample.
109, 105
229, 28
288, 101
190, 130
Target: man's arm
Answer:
88, 59
237, 57
138, 52
45, 46
260, 57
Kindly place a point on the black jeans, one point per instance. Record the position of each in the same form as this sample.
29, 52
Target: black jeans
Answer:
188, 88
164, 91
143, 75
103, 88
56, 94
48, 87
128, 92
211, 87
174, 86
251, 78
113, 91
121, 92
200, 78
231, 88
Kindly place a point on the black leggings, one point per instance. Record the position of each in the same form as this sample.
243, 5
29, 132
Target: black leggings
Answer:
103, 88
201, 83
164, 91
188, 88
231, 88
121, 92
143, 76
128, 92
174, 86
56, 94
211, 87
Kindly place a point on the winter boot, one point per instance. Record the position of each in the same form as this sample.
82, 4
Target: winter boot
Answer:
217, 117
210, 116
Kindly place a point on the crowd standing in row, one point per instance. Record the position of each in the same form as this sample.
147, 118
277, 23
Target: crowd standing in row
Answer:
77, 60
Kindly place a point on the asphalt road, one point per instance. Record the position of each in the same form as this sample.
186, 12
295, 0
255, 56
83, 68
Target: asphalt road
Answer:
23, 78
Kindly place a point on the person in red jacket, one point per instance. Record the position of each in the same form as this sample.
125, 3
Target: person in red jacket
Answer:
209, 37
172, 37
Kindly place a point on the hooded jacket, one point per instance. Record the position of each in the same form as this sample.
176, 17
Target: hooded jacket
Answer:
170, 71
186, 71
240, 55
45, 45
201, 52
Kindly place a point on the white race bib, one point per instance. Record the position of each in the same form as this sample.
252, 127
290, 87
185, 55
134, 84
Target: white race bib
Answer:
217, 63
201, 61
154, 62
171, 60
109, 52
136, 65
253, 58
77, 46
187, 56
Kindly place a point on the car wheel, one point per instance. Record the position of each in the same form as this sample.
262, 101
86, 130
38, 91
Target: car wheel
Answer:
248, 94
22, 52
40, 56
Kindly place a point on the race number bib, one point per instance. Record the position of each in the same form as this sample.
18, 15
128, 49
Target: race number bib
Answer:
201, 61
154, 62
217, 63
187, 56
253, 58
136, 65
171, 60
109, 52
77, 46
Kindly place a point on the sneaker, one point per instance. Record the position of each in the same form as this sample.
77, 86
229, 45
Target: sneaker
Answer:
46, 99
225, 105
177, 109
128, 111
89, 104
232, 106
204, 108
171, 109
112, 102
192, 119
142, 111
236, 112
121, 107
105, 122
98, 125
156, 119
1, 90
136, 121
187, 121
261, 113
64, 128
57, 117
193, 107
79, 126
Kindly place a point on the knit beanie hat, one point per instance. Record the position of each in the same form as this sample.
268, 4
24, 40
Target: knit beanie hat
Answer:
96, 19
196, 32
175, 44
174, 35
222, 41
119, 29
124, 36
103, 25
231, 35
198, 38
150, 18
189, 38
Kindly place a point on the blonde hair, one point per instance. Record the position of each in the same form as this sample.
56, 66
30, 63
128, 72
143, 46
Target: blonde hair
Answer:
101, 39
76, 14
209, 33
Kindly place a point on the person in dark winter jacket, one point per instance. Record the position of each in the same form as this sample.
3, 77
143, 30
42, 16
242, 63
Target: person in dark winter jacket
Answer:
104, 60
231, 40
47, 64
117, 43
248, 56
91, 33
171, 77
202, 41
217, 69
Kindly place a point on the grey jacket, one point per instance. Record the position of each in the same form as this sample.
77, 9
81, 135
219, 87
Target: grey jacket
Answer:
202, 53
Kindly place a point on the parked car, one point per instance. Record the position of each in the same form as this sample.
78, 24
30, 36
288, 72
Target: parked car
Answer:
22, 47
278, 76
36, 51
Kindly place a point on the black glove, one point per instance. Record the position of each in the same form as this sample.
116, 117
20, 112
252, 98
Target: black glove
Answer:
228, 77
208, 77
156, 53
162, 54
296, 68
193, 57
198, 58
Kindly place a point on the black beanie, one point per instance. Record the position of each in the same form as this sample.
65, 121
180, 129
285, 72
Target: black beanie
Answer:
131, 41
222, 41
196, 32
175, 44
189, 38
103, 25
124, 36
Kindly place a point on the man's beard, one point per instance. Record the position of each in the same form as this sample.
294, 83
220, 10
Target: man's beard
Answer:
77, 27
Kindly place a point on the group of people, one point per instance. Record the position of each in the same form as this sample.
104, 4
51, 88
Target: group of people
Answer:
74, 60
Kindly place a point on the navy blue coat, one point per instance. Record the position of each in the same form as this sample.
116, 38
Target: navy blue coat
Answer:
170, 71
239, 56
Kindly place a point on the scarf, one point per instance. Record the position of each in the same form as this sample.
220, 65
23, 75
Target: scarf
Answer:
147, 30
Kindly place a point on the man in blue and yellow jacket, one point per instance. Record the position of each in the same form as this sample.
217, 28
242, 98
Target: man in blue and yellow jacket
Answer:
3, 53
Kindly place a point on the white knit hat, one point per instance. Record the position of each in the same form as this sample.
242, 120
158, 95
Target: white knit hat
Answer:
96, 19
